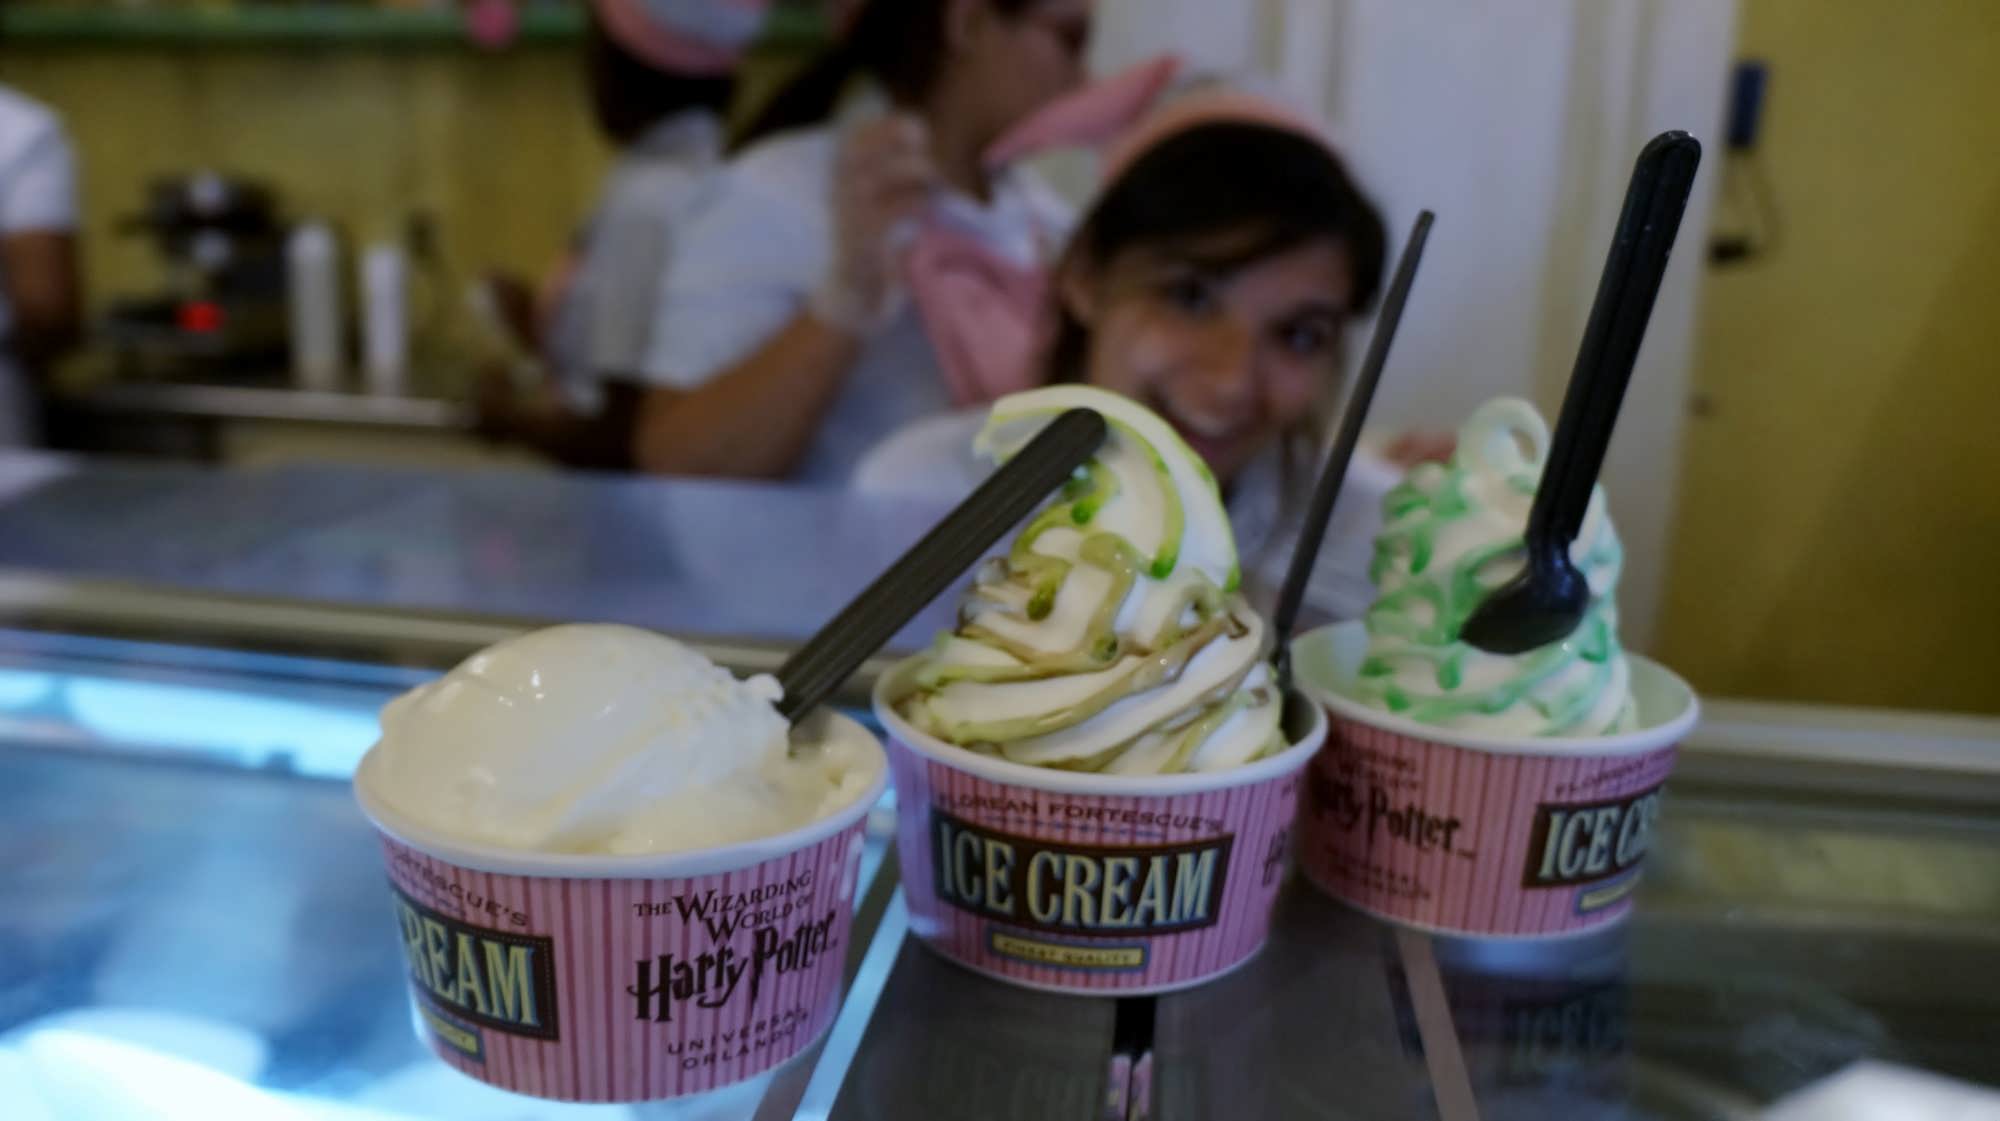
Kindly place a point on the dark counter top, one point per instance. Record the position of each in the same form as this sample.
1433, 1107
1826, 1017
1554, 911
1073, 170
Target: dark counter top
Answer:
200, 910
194, 911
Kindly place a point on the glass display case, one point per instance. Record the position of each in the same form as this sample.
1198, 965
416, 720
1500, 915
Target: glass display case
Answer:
195, 912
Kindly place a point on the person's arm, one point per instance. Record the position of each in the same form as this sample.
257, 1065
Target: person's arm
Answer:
699, 430
38, 254
43, 293
755, 417
546, 423
513, 304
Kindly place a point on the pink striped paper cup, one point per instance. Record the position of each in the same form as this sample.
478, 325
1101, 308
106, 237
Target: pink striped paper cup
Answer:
1462, 833
1090, 883
623, 978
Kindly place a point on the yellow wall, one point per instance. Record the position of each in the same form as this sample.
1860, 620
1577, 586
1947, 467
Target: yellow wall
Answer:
498, 147
1839, 529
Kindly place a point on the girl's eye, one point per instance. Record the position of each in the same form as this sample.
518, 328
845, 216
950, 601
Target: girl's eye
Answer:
1309, 339
1075, 37
1191, 293
1072, 34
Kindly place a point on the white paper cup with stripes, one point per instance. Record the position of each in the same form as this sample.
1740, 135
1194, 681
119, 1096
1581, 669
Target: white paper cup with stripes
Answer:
1091, 883
624, 978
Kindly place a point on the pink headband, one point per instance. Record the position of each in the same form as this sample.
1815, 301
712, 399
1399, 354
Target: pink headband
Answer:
1208, 106
701, 38
1095, 114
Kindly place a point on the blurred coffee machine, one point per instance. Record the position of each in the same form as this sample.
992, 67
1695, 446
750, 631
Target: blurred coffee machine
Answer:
221, 315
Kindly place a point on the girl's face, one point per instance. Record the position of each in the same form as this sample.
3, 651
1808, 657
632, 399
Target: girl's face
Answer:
1232, 357
1014, 63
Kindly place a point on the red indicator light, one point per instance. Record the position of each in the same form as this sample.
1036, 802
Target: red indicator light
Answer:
201, 316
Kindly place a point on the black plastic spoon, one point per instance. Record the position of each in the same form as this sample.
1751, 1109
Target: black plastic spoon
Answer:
934, 563
1305, 551
1546, 601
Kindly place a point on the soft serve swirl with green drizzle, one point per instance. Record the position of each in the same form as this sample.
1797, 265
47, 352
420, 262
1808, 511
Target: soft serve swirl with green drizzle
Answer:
1451, 534
1111, 637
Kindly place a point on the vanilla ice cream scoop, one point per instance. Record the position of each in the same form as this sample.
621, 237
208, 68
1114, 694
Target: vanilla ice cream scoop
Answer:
606, 739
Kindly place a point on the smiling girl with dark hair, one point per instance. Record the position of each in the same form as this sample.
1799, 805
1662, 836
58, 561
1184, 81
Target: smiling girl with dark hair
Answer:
1214, 280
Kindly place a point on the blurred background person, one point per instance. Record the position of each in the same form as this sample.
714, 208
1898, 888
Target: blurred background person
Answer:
40, 301
661, 74
784, 345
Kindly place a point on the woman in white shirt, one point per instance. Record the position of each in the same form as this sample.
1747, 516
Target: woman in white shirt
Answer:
784, 346
40, 303
661, 75
1213, 280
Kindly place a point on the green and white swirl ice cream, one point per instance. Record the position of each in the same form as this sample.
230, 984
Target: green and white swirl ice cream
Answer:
1451, 534
1111, 636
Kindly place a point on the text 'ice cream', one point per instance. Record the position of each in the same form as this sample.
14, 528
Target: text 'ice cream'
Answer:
1111, 636
606, 739
1451, 534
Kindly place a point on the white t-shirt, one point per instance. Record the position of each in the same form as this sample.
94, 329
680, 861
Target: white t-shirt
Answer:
762, 240
934, 457
37, 193
604, 321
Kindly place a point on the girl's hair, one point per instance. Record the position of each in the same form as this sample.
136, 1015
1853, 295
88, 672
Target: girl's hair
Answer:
1225, 195
900, 43
628, 94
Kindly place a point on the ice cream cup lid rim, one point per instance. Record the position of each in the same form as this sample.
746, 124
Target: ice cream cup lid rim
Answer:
1084, 782
679, 864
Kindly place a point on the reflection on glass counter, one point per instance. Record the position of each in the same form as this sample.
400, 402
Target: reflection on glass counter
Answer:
197, 914
201, 915
307, 716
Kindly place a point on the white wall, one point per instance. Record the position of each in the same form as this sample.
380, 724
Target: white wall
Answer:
1517, 122
1214, 34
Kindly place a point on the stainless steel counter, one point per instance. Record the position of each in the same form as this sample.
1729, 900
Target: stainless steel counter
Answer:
194, 913
177, 401
743, 560
258, 418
